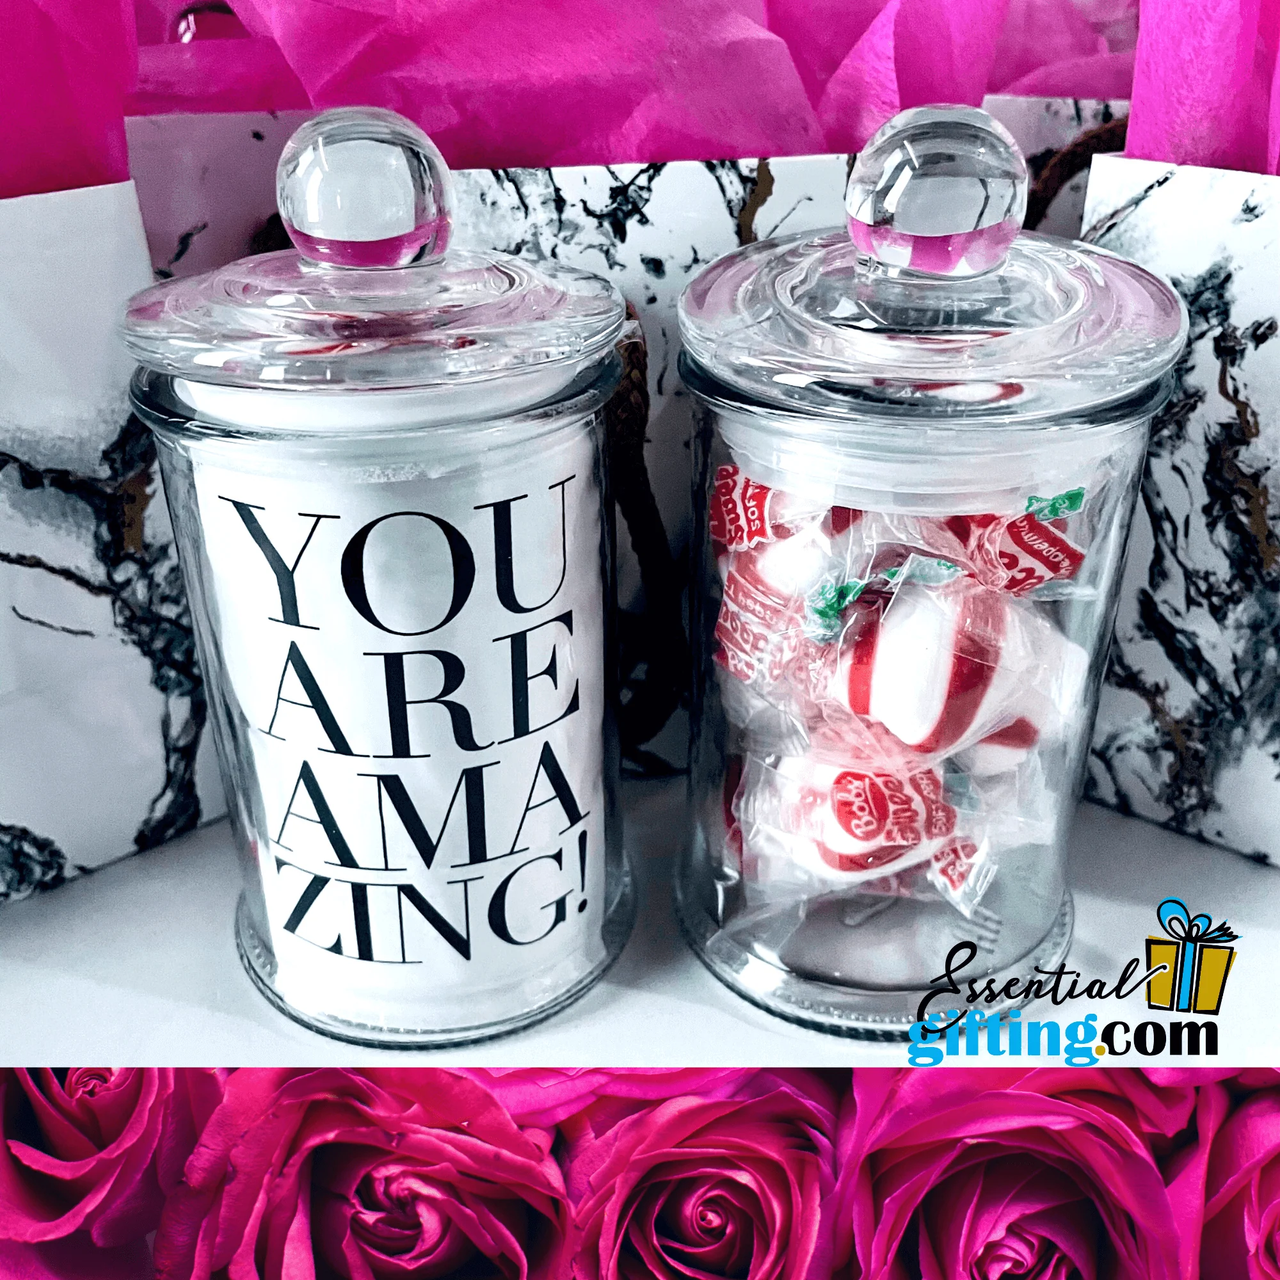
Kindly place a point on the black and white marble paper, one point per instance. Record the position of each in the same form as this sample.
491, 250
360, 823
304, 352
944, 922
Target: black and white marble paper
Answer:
1188, 730
101, 706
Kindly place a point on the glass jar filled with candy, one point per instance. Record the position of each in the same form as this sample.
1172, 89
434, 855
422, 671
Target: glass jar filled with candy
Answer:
921, 444
384, 460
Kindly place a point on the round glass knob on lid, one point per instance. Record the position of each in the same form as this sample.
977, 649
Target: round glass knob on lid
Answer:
939, 190
362, 187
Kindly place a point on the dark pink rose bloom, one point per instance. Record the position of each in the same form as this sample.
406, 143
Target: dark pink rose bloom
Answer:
546, 1095
1242, 1211
987, 1175
95, 1150
375, 1175
694, 1188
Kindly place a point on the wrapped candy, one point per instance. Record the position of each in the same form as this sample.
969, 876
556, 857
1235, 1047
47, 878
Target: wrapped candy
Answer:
1013, 553
845, 810
758, 626
937, 665
777, 556
1017, 555
860, 662
743, 513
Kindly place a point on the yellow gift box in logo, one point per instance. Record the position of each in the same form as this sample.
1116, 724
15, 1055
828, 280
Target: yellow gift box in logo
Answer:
1196, 959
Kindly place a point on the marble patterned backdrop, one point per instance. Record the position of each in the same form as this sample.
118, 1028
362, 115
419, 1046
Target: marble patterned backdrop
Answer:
101, 705
89, 590
1188, 731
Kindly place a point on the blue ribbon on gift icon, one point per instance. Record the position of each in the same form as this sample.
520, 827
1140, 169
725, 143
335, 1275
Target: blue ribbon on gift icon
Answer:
1189, 932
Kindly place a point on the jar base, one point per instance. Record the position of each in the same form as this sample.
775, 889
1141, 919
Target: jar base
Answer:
858, 1013
259, 964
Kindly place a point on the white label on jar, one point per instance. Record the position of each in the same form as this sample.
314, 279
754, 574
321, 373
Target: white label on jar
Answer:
418, 676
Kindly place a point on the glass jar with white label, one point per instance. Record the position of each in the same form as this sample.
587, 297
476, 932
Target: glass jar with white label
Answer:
922, 440
385, 464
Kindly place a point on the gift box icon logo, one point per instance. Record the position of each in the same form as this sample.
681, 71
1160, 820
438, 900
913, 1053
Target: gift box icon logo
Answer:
1197, 960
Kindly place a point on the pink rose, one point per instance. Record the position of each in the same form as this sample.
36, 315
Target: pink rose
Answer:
703, 1187
546, 1095
989, 1174
95, 1150
376, 1175
1242, 1214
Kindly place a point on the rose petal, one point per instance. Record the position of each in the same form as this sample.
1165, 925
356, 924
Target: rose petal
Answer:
1242, 1188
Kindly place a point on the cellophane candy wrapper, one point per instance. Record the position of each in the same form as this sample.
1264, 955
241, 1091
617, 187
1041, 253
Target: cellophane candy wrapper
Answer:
892, 684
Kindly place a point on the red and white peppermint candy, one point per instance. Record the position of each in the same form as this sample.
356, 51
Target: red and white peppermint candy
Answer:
933, 666
864, 816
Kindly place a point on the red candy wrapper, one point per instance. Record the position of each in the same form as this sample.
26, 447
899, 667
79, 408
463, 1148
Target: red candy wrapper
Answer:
1016, 555
757, 628
954, 864
744, 514
739, 516
886, 812
766, 586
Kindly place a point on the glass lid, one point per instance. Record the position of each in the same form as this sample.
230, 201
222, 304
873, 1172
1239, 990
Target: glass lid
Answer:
372, 296
931, 300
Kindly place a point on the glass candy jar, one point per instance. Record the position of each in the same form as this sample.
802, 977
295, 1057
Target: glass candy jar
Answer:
385, 465
921, 445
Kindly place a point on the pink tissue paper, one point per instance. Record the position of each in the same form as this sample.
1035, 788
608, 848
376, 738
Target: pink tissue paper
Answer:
501, 83
65, 67
1206, 88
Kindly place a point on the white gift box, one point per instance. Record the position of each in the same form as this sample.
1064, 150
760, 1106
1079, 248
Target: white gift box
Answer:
101, 708
1188, 730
